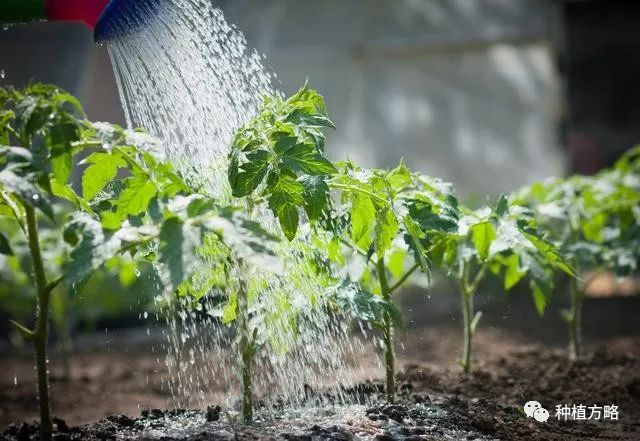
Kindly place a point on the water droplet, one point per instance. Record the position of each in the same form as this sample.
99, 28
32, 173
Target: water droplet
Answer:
15, 380
35, 197
2, 74
145, 315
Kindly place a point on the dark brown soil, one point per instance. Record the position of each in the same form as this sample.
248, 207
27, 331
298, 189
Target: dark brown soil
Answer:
437, 401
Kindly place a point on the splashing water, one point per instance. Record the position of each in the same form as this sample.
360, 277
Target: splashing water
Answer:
189, 78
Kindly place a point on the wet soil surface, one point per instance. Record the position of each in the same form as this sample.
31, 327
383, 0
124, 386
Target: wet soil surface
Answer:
435, 403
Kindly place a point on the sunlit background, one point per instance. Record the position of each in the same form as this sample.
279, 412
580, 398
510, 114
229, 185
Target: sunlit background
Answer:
488, 94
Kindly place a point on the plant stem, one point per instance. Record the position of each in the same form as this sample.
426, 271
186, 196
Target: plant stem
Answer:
575, 324
467, 317
40, 336
246, 350
389, 355
404, 278
467, 291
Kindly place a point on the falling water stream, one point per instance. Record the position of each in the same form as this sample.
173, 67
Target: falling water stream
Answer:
189, 78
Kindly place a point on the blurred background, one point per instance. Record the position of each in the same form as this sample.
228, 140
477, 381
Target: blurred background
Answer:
487, 94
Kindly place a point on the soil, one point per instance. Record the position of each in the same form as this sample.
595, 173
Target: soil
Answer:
437, 401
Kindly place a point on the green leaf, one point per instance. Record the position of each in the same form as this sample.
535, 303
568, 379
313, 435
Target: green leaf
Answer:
67, 193
592, 228
363, 216
512, 274
385, 231
540, 297
284, 143
5, 247
230, 310
104, 168
25, 188
305, 157
61, 165
136, 196
110, 220
27, 333
250, 174
303, 118
316, 196
414, 238
89, 252
286, 196
482, 235
364, 305
502, 207
395, 264
177, 249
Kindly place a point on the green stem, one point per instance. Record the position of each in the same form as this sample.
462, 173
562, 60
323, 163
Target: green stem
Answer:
40, 335
467, 291
246, 350
467, 317
404, 278
387, 331
575, 323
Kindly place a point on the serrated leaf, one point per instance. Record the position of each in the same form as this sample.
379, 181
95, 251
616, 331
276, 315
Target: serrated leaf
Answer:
250, 174
67, 193
136, 196
305, 157
304, 118
104, 168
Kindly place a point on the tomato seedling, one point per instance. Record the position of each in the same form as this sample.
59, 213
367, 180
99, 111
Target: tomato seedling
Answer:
595, 222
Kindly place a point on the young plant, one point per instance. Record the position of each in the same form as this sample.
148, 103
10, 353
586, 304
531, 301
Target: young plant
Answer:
40, 135
502, 240
131, 202
279, 158
108, 290
383, 219
595, 222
